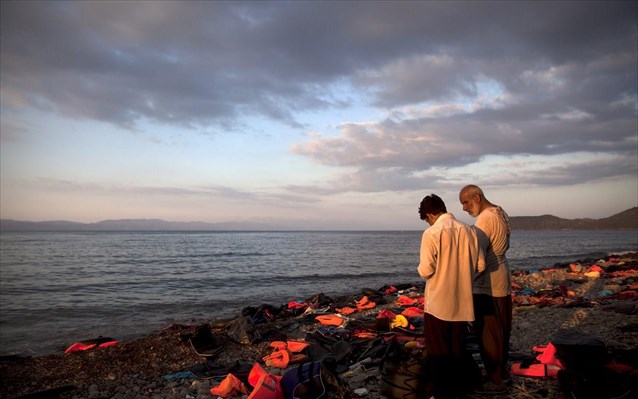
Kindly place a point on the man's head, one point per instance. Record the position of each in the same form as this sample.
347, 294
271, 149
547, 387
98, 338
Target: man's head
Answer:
473, 200
431, 207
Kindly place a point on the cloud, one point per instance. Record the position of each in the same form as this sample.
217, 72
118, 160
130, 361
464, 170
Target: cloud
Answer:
458, 82
213, 62
121, 62
555, 97
425, 152
530, 171
212, 192
420, 144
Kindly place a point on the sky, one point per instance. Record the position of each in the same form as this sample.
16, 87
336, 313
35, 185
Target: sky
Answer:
316, 115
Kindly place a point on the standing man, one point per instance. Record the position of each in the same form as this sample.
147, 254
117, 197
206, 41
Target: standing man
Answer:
450, 257
492, 289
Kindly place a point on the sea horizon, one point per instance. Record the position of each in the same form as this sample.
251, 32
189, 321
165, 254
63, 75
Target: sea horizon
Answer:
126, 284
625, 220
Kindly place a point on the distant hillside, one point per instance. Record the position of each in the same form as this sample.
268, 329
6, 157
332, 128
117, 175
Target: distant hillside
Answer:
626, 220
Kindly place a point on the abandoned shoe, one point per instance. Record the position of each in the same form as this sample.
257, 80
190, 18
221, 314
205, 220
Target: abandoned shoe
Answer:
490, 388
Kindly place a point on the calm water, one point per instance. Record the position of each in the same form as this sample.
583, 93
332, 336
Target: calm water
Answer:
60, 287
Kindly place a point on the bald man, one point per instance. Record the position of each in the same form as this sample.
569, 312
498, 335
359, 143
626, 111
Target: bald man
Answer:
492, 289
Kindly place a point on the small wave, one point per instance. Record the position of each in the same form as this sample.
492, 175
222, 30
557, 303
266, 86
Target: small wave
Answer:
237, 254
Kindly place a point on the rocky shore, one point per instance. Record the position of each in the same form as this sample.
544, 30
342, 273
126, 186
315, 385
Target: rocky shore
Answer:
598, 297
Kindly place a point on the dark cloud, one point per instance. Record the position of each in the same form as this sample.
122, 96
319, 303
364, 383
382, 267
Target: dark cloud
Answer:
566, 72
200, 62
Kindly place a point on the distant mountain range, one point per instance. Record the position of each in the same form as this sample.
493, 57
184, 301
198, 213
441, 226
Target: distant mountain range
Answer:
626, 220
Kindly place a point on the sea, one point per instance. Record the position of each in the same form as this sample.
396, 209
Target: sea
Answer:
57, 288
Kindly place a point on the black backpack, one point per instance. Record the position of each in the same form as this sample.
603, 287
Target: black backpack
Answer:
585, 375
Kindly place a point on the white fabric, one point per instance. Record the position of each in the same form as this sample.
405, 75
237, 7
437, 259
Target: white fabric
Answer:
450, 257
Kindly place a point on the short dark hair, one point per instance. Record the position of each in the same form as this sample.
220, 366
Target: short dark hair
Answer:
432, 204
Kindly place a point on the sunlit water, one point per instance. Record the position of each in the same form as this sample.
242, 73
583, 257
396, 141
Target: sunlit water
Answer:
60, 287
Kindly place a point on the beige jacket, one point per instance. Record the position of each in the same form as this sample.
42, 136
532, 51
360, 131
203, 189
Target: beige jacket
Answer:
450, 258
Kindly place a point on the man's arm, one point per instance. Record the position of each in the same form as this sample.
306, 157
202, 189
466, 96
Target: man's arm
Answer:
483, 242
428, 256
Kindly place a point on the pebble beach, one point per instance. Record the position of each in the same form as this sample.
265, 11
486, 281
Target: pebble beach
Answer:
597, 296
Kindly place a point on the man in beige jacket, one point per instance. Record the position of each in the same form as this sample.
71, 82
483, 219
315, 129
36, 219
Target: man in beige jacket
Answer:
450, 258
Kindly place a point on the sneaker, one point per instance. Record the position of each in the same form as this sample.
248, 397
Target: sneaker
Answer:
490, 388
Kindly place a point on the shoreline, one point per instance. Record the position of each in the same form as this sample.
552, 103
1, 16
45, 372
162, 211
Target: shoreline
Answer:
42, 313
138, 368
140, 332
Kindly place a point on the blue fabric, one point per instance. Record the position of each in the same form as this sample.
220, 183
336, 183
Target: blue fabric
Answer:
303, 382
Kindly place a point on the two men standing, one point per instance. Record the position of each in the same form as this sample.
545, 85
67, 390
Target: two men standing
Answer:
467, 279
